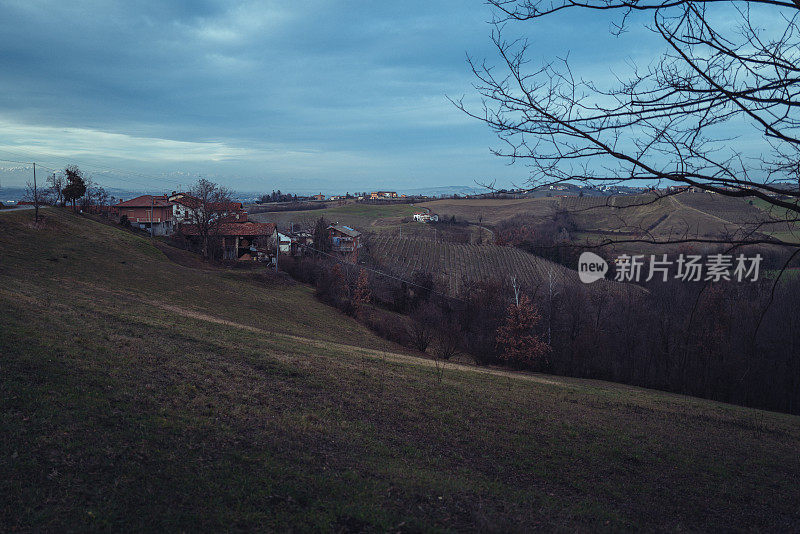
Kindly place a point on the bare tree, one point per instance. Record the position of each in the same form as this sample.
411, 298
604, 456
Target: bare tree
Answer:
36, 195
56, 183
667, 123
422, 328
210, 203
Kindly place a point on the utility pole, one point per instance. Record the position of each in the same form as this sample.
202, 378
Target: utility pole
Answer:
35, 196
277, 247
152, 208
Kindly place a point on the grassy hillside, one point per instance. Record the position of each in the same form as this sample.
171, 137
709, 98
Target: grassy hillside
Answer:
696, 213
388, 219
603, 219
365, 217
138, 394
492, 211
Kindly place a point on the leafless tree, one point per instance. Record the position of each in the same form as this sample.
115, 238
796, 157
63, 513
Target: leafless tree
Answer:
211, 203
422, 328
56, 183
37, 196
726, 67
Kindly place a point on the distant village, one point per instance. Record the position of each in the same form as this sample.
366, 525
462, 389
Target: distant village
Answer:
183, 216
195, 222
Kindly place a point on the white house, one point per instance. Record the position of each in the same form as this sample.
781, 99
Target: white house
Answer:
426, 217
285, 246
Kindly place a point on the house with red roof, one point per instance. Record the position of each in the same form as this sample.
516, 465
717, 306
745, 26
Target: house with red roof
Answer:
149, 212
185, 205
239, 240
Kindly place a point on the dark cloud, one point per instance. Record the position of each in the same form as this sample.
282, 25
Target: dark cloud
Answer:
345, 92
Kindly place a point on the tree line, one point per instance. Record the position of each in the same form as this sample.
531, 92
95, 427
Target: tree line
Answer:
724, 341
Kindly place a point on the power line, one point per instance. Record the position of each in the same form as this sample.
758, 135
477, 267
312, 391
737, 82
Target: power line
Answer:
387, 275
20, 162
92, 165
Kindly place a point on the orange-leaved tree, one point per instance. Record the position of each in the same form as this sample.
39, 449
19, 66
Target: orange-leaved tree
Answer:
362, 295
515, 337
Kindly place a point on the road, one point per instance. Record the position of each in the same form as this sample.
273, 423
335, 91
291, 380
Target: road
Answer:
17, 208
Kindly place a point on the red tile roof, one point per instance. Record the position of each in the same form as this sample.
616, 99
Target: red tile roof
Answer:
229, 206
146, 201
234, 229
192, 202
186, 200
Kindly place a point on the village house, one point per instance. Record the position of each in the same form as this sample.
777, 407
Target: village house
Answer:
382, 195
285, 243
426, 217
150, 213
319, 197
300, 241
185, 206
239, 240
345, 241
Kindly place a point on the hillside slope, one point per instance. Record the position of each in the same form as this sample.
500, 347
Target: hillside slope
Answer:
453, 263
138, 394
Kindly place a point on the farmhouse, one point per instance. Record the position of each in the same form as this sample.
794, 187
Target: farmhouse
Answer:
241, 241
185, 206
426, 217
299, 242
345, 241
148, 212
285, 243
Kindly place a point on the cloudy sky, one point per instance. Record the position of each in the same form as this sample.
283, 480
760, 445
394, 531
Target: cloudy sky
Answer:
302, 96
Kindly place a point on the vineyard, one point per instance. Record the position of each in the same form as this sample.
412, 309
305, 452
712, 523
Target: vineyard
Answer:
454, 263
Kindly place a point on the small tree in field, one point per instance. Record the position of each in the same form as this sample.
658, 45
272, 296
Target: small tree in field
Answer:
56, 183
422, 327
76, 185
36, 195
515, 337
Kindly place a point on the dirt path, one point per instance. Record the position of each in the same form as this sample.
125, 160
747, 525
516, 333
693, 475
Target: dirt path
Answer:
682, 205
17, 208
372, 353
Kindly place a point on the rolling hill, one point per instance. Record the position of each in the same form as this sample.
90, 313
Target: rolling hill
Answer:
491, 211
365, 217
139, 394
453, 263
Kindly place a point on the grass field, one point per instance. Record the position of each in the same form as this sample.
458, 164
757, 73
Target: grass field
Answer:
139, 394
785, 226
364, 217
388, 219
492, 211
615, 219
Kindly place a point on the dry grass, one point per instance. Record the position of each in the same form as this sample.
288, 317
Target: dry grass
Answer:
150, 396
492, 211
364, 217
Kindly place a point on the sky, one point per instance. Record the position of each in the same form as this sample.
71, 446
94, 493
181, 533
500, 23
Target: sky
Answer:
302, 96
